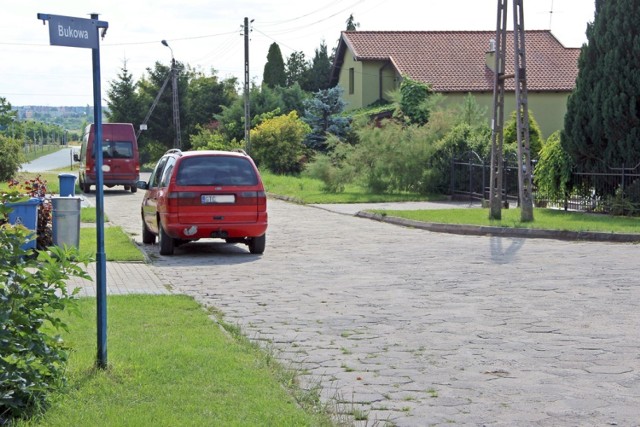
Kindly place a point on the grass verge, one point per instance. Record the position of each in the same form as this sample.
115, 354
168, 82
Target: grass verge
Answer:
88, 215
38, 151
309, 190
547, 219
169, 365
117, 243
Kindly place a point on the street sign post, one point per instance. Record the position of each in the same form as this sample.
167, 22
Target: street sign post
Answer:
84, 33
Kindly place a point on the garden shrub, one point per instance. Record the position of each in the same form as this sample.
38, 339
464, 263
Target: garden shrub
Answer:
552, 174
32, 294
277, 144
11, 158
37, 187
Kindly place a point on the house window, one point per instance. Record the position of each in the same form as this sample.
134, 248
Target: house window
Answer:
351, 81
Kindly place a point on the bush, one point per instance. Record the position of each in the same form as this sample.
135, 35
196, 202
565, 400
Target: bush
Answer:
32, 293
535, 135
37, 187
552, 174
11, 158
392, 158
210, 139
276, 144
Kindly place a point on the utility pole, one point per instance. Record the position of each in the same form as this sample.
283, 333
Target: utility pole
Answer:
522, 114
177, 143
497, 124
247, 107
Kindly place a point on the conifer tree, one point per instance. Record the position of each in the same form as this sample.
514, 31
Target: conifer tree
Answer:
123, 102
602, 124
274, 74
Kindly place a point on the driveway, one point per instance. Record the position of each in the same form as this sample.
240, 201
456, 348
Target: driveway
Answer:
408, 327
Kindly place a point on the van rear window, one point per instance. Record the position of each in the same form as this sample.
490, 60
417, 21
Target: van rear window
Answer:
117, 150
216, 170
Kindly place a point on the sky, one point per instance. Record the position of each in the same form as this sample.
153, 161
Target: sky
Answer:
207, 35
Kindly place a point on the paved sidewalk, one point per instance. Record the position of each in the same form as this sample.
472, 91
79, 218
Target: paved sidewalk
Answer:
122, 278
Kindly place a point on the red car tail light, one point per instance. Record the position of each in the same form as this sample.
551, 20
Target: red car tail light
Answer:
182, 198
257, 197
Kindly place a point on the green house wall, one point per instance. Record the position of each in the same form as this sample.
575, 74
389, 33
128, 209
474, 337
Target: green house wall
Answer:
548, 108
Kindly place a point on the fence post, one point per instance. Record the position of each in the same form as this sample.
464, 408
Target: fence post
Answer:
470, 179
453, 169
484, 178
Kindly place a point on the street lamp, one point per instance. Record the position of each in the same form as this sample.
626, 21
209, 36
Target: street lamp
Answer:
177, 143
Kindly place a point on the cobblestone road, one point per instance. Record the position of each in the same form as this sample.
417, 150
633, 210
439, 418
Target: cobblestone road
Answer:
413, 328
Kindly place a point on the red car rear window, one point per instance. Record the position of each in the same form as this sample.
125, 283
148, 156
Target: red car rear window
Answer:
216, 170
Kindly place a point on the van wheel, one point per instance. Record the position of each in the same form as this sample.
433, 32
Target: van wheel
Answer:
166, 242
86, 188
134, 188
257, 244
148, 237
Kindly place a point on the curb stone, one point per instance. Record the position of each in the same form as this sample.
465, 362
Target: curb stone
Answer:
480, 230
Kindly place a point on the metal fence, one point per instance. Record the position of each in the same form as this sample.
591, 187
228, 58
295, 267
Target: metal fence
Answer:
471, 178
616, 191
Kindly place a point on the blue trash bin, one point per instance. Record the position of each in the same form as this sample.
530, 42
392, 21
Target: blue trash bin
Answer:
26, 213
67, 184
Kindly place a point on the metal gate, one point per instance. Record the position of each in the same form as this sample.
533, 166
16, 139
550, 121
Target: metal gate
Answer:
470, 177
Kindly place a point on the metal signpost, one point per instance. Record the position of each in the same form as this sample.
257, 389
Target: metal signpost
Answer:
84, 33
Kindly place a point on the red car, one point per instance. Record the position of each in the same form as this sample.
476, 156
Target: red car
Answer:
195, 195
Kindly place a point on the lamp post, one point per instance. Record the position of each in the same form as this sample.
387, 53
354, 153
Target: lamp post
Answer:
177, 143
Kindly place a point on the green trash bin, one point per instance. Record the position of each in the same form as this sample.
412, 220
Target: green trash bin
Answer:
66, 221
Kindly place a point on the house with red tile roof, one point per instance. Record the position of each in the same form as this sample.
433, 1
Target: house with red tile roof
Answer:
369, 64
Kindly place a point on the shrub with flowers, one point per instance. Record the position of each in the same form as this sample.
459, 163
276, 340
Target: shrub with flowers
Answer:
37, 187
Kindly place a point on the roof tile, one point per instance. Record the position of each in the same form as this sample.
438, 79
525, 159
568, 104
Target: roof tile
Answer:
454, 61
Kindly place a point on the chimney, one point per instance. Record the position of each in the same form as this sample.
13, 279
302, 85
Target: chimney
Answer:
490, 55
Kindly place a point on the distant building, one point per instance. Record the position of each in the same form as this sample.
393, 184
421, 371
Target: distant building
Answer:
368, 64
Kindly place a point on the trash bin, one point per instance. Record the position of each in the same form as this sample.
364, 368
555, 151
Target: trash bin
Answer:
67, 184
26, 213
66, 221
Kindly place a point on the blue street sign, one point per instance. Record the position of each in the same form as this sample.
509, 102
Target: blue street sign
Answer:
71, 31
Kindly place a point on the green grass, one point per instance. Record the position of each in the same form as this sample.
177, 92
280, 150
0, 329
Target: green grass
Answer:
53, 184
118, 245
547, 219
170, 364
309, 190
40, 151
88, 215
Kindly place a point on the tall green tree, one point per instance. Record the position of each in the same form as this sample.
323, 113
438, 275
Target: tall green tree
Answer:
161, 131
123, 102
297, 69
205, 98
352, 25
7, 114
602, 123
320, 71
274, 74
262, 99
